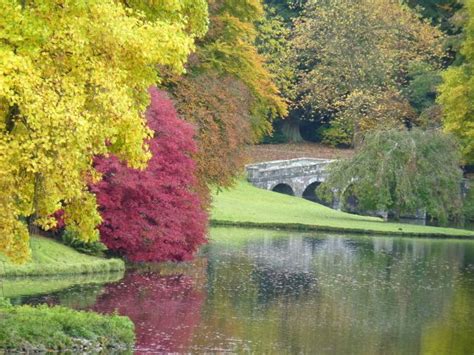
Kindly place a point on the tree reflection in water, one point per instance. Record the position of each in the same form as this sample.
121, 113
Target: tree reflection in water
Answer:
165, 309
268, 292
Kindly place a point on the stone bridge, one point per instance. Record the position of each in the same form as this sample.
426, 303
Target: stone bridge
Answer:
296, 177
300, 177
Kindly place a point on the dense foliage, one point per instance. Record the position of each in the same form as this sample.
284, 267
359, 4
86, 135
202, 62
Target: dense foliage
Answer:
439, 12
457, 92
352, 58
401, 172
228, 92
73, 82
154, 214
219, 107
192, 14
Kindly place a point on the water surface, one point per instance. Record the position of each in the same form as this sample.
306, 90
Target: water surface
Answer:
282, 292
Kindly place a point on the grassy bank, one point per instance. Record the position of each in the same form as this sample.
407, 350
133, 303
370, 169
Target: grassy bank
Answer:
246, 205
13, 287
52, 258
43, 329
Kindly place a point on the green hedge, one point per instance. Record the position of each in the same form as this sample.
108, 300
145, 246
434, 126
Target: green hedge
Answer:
43, 329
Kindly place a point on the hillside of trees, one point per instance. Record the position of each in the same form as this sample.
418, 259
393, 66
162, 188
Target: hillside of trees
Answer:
82, 138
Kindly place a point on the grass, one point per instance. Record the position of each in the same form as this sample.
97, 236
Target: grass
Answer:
246, 205
38, 285
42, 329
52, 258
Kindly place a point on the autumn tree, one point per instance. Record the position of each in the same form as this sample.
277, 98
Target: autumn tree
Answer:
219, 106
73, 83
273, 42
228, 93
457, 92
154, 214
352, 59
401, 172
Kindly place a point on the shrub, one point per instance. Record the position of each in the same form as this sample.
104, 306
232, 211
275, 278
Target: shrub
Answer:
5, 303
155, 214
95, 248
42, 328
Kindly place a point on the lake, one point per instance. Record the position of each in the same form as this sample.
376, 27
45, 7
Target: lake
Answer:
272, 292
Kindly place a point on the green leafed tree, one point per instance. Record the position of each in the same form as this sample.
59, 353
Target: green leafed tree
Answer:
439, 12
457, 92
401, 172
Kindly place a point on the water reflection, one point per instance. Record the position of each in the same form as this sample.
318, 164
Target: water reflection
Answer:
164, 309
352, 295
81, 289
280, 292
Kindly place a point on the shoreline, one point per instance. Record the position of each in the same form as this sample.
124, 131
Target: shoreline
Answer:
317, 228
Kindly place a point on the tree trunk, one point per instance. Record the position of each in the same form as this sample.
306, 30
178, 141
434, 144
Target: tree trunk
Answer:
357, 138
398, 213
291, 129
33, 228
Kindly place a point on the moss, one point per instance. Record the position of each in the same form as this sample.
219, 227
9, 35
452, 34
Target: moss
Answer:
246, 205
52, 258
43, 328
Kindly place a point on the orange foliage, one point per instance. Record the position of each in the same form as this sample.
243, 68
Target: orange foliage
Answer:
220, 108
228, 94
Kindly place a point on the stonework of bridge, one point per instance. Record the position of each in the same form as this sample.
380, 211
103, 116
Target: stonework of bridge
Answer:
296, 177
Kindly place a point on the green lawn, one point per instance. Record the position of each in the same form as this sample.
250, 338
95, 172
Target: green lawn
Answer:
52, 258
246, 205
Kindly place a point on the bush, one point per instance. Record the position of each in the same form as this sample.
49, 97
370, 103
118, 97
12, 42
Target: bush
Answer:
4, 303
337, 135
40, 329
276, 137
96, 248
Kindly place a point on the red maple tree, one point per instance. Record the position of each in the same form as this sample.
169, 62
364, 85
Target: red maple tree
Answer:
154, 214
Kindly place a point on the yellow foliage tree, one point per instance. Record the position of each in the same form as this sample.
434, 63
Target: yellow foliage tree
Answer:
73, 85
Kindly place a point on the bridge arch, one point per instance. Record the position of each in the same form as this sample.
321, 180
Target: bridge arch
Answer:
309, 193
283, 188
